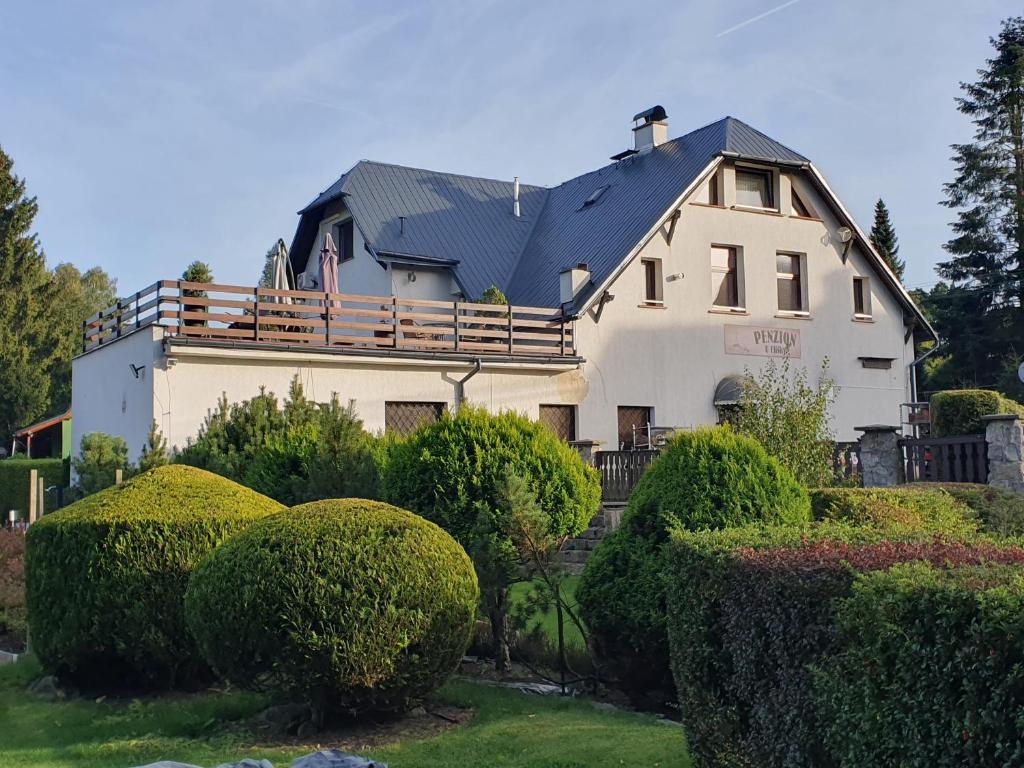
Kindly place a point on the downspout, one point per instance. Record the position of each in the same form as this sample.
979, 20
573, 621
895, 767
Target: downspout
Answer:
460, 388
918, 361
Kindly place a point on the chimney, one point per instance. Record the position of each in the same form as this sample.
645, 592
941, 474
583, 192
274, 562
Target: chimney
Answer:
515, 197
650, 128
572, 281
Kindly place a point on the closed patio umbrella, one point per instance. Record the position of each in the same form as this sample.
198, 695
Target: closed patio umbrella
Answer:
281, 273
329, 267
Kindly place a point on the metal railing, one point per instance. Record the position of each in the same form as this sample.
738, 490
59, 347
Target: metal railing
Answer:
215, 312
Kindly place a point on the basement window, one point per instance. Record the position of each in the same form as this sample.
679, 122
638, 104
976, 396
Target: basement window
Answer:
878, 363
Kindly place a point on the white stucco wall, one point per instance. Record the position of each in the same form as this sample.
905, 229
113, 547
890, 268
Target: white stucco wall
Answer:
672, 358
190, 388
107, 397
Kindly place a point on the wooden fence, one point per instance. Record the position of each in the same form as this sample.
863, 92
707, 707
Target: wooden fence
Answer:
962, 459
621, 471
313, 318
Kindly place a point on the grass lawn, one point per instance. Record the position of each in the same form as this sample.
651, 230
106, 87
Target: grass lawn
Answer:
509, 729
549, 620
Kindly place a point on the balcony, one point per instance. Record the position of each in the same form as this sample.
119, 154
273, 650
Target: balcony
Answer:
214, 314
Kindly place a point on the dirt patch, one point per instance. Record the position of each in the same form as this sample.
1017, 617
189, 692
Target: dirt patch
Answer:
371, 732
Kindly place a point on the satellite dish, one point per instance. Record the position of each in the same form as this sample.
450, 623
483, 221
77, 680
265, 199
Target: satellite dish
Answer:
1020, 372
845, 234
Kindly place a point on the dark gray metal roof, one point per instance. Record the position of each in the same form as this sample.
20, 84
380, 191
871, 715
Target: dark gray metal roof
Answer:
467, 222
463, 221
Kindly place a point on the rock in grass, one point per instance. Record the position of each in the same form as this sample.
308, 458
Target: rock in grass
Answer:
333, 758
248, 763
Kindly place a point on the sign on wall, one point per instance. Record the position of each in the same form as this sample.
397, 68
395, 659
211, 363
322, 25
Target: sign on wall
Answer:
762, 342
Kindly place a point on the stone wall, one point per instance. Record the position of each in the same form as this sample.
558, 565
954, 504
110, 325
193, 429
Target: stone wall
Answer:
1004, 434
880, 462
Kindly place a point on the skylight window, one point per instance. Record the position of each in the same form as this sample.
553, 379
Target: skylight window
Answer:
596, 195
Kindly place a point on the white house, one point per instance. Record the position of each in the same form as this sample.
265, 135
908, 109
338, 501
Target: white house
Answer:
639, 292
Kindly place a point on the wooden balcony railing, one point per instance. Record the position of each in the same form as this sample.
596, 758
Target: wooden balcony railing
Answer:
231, 313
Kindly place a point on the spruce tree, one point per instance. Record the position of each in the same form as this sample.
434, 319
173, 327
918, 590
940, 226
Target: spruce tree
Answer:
883, 237
154, 452
987, 249
27, 337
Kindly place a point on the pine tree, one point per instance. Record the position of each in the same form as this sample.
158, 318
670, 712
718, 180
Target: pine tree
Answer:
987, 250
27, 337
267, 275
883, 237
154, 452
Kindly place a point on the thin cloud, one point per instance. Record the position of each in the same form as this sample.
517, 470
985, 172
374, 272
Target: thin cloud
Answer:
760, 16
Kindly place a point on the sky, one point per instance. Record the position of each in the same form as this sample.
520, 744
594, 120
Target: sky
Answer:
154, 134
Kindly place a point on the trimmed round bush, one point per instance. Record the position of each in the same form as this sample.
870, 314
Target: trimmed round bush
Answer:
447, 471
350, 605
710, 478
106, 576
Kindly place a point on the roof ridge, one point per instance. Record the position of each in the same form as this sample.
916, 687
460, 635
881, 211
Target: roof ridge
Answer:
449, 173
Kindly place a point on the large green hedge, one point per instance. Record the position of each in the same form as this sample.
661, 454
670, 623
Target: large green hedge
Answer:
14, 481
708, 478
999, 511
751, 612
351, 605
106, 576
929, 669
918, 507
959, 411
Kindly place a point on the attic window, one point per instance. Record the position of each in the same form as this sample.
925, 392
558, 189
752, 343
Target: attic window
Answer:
754, 189
595, 195
799, 208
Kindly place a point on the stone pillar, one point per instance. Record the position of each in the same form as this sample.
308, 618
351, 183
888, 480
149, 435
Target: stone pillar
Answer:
1004, 433
881, 464
586, 449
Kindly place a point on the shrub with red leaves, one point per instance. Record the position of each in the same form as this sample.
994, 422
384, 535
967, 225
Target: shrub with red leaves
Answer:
749, 619
12, 589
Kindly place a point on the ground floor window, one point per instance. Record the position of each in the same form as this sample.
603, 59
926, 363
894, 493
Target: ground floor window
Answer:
560, 419
404, 418
634, 421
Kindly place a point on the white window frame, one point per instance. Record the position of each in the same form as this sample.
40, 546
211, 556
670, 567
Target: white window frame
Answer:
659, 282
865, 282
773, 187
805, 299
741, 294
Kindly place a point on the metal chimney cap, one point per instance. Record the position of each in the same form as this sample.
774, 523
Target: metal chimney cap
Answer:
653, 115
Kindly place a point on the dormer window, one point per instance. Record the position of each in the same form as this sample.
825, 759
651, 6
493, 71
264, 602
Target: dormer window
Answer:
754, 188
